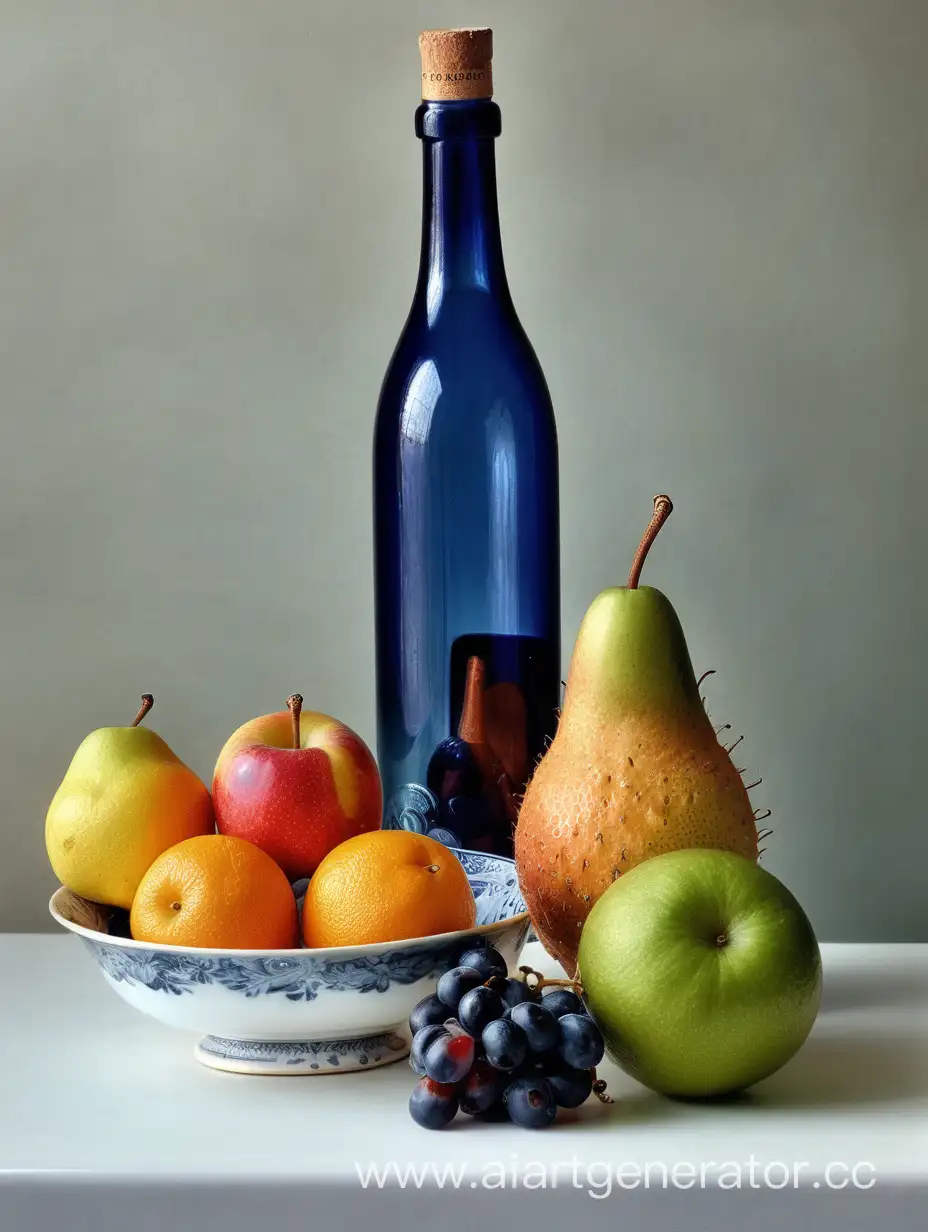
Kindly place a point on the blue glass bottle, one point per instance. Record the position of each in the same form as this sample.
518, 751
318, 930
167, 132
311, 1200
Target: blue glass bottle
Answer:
465, 517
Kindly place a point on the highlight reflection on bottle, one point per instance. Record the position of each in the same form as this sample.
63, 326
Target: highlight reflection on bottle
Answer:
465, 496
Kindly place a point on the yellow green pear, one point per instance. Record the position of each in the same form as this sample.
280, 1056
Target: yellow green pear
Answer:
125, 799
635, 769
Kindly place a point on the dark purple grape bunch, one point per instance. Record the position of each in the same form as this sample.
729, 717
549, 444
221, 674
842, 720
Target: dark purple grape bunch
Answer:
496, 1048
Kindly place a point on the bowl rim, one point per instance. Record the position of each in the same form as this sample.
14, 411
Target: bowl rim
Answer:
328, 953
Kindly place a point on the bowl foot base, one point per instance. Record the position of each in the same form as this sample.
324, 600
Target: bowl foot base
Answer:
294, 1057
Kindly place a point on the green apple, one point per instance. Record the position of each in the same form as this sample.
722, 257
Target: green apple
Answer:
702, 971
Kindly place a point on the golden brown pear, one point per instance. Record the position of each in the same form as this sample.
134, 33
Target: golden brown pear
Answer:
636, 768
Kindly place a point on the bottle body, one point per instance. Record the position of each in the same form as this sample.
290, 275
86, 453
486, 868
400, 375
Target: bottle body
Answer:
466, 518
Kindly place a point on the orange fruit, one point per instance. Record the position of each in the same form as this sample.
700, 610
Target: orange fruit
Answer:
388, 885
215, 892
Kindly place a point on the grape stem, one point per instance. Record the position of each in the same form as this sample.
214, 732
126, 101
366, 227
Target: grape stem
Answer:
599, 1090
536, 982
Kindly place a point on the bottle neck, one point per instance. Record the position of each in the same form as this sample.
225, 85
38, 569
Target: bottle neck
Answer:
461, 246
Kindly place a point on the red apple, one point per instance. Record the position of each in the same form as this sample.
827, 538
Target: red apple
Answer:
296, 784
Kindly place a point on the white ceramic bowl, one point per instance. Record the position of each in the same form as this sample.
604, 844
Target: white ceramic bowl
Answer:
298, 1011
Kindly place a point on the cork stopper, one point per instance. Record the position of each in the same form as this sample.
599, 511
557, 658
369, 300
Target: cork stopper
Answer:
457, 63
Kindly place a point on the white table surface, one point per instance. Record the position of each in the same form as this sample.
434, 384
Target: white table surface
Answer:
107, 1121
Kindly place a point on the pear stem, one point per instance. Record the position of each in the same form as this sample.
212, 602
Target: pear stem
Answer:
663, 507
147, 702
295, 705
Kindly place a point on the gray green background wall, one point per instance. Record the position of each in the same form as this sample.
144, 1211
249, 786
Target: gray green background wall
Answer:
715, 223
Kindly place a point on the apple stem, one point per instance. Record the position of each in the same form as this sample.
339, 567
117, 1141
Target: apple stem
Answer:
295, 705
147, 702
663, 507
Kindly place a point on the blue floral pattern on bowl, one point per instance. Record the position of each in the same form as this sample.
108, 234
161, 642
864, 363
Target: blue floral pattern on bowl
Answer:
306, 1011
495, 886
298, 979
292, 1056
